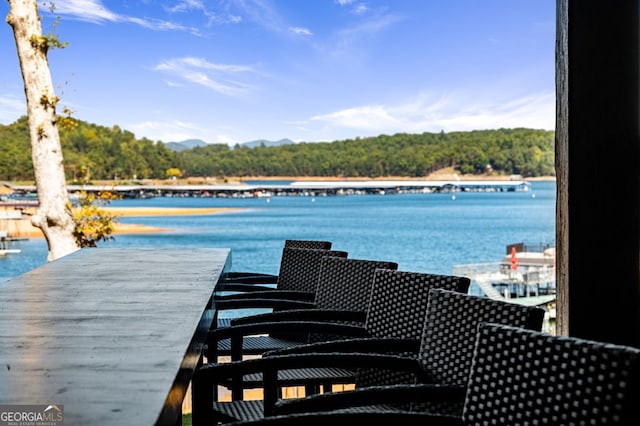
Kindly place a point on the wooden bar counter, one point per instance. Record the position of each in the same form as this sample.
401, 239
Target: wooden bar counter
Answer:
112, 335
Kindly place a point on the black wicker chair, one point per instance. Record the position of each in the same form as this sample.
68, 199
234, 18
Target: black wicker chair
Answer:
517, 377
342, 295
297, 282
444, 356
242, 280
394, 322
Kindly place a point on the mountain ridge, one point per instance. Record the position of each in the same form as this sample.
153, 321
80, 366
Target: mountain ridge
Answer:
195, 143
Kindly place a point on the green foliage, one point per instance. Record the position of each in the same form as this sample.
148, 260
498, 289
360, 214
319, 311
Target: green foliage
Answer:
93, 224
525, 152
15, 152
97, 152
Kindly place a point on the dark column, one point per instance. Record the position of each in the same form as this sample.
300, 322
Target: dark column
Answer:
598, 141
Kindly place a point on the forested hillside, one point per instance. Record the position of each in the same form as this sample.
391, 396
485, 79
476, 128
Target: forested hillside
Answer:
97, 152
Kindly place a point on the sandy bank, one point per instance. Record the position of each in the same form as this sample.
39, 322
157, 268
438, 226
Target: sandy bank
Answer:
164, 211
24, 228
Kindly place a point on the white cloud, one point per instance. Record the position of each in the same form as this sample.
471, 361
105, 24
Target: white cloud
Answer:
368, 118
186, 5
350, 42
178, 131
448, 113
221, 78
167, 131
95, 12
300, 31
532, 111
360, 9
87, 10
262, 13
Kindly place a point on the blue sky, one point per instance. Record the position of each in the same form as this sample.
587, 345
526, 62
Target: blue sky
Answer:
229, 71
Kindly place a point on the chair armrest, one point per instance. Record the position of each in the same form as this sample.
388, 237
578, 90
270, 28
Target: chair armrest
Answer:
247, 279
254, 277
243, 288
268, 294
209, 375
222, 305
304, 315
364, 345
374, 395
236, 333
324, 327
257, 303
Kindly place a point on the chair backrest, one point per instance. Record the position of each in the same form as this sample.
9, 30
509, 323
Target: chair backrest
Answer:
398, 307
343, 284
399, 301
525, 377
300, 267
346, 284
308, 244
451, 328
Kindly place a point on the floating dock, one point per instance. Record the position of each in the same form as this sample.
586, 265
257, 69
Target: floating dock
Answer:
300, 188
4, 244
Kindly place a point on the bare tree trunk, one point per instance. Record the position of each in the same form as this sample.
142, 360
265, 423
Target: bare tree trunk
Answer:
53, 216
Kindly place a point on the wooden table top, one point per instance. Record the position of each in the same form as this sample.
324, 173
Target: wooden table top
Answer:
111, 334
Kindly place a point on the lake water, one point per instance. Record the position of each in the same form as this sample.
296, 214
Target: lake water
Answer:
421, 232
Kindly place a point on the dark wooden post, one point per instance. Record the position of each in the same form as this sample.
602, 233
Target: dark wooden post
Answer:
598, 163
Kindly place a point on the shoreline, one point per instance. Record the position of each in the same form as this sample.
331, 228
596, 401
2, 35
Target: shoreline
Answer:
166, 211
19, 228
443, 174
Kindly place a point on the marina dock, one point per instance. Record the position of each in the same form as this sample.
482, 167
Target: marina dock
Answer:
299, 188
525, 274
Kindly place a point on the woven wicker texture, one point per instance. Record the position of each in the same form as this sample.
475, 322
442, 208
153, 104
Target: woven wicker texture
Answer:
246, 276
452, 325
448, 341
308, 244
397, 309
346, 283
299, 268
522, 377
399, 301
343, 284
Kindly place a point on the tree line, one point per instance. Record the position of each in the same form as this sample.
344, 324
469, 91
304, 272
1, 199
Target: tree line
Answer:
94, 152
